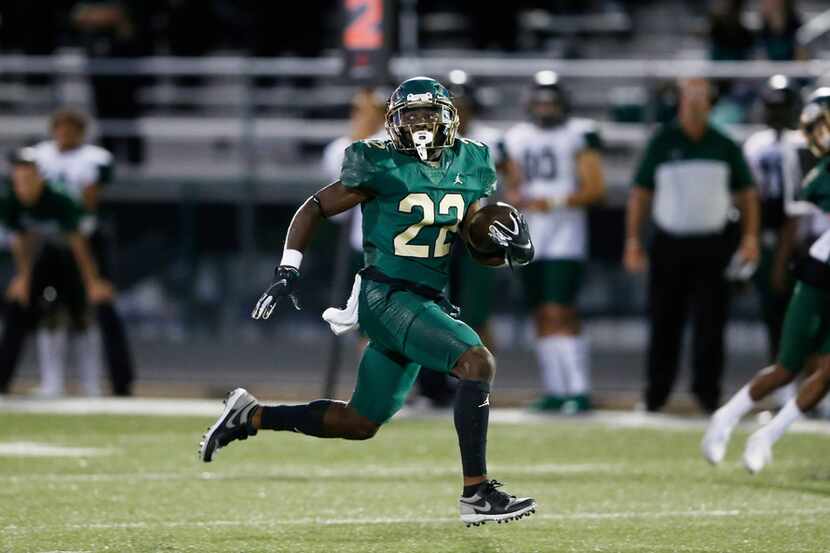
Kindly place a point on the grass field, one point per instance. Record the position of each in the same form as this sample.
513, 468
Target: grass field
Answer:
600, 488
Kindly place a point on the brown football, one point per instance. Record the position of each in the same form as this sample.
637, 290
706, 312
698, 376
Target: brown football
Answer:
478, 233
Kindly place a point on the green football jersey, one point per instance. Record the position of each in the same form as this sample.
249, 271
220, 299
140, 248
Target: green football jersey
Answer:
54, 213
412, 220
816, 186
816, 190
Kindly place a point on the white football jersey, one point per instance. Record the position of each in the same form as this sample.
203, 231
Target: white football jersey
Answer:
776, 167
547, 158
74, 170
489, 136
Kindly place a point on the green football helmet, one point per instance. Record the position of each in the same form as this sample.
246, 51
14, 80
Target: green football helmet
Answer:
421, 118
815, 122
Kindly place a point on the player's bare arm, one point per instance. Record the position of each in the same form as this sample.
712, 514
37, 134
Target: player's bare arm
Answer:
98, 289
327, 202
512, 180
21, 246
591, 180
91, 196
748, 203
637, 210
784, 251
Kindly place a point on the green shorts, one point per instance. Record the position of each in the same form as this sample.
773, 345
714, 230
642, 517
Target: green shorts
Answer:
406, 331
475, 294
806, 327
552, 281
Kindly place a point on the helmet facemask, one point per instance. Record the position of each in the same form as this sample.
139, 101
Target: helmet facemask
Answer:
423, 126
815, 124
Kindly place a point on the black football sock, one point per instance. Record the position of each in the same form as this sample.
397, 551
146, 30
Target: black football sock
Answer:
470, 491
471, 413
305, 419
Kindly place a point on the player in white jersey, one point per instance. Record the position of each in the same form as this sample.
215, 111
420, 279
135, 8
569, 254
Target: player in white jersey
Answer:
779, 158
562, 176
81, 170
773, 158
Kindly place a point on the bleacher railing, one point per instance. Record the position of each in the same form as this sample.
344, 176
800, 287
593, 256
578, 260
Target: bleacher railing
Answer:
247, 129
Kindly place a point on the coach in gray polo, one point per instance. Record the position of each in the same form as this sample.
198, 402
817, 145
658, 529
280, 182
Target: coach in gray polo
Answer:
689, 177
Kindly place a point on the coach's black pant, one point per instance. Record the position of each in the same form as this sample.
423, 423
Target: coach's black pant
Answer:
687, 278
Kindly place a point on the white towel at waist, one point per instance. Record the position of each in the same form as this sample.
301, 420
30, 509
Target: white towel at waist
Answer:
344, 320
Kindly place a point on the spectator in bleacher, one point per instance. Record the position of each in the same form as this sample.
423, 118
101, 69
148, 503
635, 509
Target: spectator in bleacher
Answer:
116, 29
33, 29
182, 16
729, 37
269, 29
778, 32
688, 178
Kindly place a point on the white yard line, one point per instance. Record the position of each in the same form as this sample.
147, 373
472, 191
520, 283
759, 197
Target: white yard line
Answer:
213, 407
305, 471
578, 516
40, 449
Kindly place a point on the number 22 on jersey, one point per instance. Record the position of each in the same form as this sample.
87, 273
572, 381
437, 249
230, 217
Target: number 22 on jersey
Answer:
419, 199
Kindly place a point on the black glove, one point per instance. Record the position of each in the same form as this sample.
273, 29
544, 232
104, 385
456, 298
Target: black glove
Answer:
285, 278
518, 248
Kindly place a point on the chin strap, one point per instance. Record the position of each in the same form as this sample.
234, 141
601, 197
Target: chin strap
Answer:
422, 139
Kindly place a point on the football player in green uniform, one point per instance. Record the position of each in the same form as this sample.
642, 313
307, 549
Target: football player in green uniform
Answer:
35, 213
417, 191
806, 330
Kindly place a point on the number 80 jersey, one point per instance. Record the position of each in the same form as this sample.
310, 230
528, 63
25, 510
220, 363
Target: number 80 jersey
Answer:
547, 157
412, 220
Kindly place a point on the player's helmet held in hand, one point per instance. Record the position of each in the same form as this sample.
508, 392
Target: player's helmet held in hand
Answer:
782, 103
549, 104
421, 118
815, 122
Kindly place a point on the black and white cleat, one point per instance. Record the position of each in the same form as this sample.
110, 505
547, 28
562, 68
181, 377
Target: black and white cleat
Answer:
233, 424
491, 504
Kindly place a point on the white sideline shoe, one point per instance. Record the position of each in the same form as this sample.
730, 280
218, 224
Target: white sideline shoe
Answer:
758, 452
716, 439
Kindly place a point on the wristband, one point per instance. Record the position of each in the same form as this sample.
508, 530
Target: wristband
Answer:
292, 258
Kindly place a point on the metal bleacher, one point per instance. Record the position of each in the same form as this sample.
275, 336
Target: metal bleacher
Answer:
227, 129
230, 131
